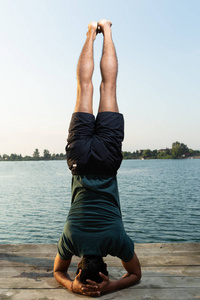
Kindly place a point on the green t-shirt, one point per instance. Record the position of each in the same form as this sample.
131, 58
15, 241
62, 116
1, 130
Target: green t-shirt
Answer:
94, 224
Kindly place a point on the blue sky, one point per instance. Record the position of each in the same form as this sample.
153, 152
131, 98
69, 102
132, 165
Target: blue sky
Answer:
158, 48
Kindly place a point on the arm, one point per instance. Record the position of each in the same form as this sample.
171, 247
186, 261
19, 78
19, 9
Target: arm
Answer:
60, 273
60, 268
132, 277
133, 274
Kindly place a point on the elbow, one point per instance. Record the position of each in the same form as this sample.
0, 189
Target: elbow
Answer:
136, 277
139, 276
55, 274
55, 271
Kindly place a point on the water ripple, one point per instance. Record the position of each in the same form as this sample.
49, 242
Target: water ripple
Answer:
160, 200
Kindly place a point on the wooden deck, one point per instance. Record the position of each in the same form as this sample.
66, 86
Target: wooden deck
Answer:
170, 271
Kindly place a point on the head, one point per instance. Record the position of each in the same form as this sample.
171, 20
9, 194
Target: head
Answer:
90, 267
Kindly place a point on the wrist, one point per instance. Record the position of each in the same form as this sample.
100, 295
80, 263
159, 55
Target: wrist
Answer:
71, 288
112, 286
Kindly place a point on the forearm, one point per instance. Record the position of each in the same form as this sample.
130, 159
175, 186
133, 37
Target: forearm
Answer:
126, 281
64, 280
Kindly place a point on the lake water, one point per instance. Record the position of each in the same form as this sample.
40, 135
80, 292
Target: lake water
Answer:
160, 200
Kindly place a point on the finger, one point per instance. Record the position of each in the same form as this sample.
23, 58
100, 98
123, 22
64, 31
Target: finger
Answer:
104, 276
91, 282
90, 287
92, 294
90, 290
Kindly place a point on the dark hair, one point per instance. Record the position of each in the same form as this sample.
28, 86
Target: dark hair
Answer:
90, 267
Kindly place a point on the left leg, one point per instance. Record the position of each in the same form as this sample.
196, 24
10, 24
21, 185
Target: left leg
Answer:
85, 70
82, 124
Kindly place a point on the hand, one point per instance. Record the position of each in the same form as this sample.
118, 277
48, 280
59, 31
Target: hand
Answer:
103, 287
80, 288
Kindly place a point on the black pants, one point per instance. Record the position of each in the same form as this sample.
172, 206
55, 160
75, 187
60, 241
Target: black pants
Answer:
94, 146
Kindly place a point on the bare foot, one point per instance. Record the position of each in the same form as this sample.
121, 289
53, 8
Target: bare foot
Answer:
92, 30
104, 26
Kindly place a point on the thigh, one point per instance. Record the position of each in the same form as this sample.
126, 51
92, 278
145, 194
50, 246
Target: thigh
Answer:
82, 126
110, 127
107, 141
81, 132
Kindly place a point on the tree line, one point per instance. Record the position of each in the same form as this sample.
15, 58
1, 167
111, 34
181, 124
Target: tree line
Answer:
178, 150
36, 156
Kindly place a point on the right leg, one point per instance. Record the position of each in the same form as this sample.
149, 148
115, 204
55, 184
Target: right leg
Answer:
109, 122
85, 69
109, 69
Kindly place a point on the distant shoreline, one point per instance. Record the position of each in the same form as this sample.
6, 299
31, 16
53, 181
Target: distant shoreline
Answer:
148, 158
178, 151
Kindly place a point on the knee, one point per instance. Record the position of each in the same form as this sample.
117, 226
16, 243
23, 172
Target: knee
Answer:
85, 86
108, 86
108, 90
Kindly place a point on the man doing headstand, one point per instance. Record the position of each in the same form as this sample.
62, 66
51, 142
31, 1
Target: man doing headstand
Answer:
94, 226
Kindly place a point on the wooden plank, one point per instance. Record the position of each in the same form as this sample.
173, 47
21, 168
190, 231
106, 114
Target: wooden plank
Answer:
173, 270
28, 260
7, 272
33, 280
16, 271
45, 259
145, 262
28, 248
139, 253
170, 271
194, 247
128, 294
166, 260
52, 248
